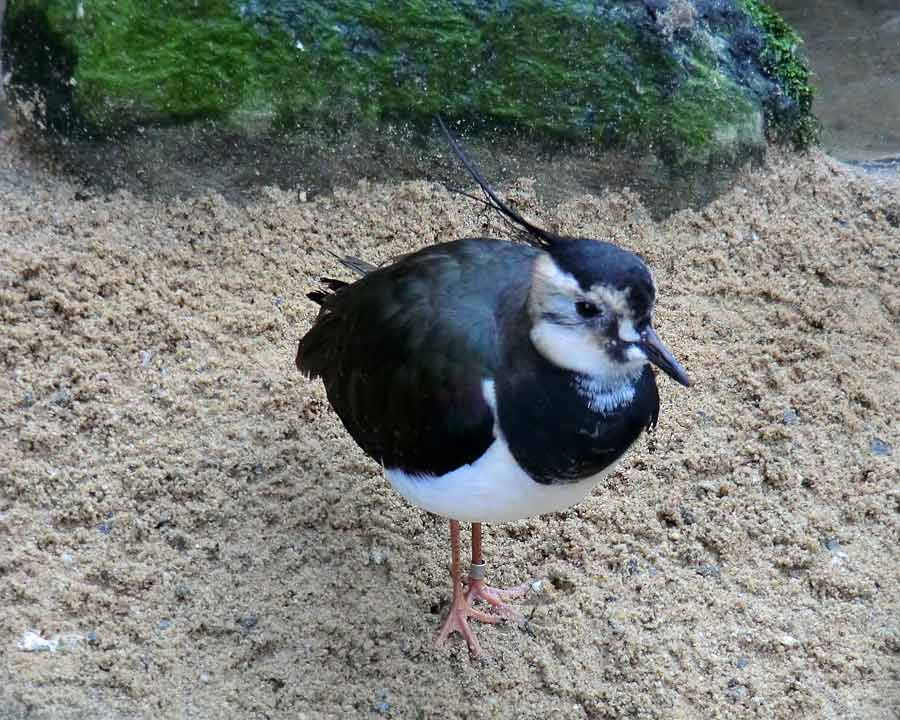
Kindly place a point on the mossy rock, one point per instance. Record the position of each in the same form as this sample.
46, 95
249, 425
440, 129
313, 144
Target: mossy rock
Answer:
687, 80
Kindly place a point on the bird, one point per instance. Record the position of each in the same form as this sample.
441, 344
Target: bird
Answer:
493, 379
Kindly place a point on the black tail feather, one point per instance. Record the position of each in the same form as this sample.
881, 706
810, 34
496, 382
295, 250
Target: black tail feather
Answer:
330, 287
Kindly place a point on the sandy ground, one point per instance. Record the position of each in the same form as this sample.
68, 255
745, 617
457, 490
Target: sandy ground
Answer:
186, 530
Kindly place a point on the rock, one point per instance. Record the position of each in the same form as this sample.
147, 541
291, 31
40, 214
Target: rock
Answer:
879, 447
736, 692
690, 81
381, 704
789, 641
61, 397
710, 571
790, 417
248, 621
33, 642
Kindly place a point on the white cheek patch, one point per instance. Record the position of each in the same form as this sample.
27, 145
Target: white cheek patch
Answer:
575, 348
570, 347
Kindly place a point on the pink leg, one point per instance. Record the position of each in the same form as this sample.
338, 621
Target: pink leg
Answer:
460, 611
495, 597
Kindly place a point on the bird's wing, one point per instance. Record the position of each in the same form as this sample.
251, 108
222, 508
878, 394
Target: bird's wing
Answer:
405, 350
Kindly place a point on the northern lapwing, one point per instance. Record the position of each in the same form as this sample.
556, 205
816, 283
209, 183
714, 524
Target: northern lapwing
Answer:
492, 380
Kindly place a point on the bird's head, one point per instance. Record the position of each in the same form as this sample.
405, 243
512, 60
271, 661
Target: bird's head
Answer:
591, 310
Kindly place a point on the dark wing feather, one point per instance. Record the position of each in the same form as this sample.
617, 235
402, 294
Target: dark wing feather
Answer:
404, 350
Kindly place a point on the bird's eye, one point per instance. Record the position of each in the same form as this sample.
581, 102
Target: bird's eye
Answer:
587, 309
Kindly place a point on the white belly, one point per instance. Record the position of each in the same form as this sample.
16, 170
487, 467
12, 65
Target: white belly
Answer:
492, 489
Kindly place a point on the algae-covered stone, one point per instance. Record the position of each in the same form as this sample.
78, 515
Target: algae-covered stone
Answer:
686, 80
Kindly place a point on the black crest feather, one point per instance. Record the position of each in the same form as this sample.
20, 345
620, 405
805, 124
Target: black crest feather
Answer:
534, 235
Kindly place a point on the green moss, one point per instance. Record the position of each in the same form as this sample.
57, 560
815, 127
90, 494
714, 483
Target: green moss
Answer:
527, 64
782, 62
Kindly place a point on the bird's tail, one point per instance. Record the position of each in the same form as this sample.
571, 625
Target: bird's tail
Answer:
330, 286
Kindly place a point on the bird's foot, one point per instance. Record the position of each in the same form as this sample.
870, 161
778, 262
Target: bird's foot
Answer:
457, 620
497, 599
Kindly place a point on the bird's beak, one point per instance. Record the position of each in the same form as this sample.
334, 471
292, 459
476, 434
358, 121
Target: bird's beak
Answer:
659, 355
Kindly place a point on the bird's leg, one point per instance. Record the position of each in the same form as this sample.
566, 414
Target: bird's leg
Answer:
495, 597
460, 610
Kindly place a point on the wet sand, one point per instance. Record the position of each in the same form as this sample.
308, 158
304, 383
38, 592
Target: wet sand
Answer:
187, 531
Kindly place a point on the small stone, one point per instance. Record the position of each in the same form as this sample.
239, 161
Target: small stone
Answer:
879, 447
182, 591
248, 622
104, 528
164, 624
381, 705
537, 586
177, 541
61, 397
377, 556
67, 559
838, 553
790, 417
92, 638
709, 571
736, 691
789, 641
145, 357
32, 642
28, 399
741, 662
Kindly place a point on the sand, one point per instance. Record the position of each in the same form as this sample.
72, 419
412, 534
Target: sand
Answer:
187, 531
